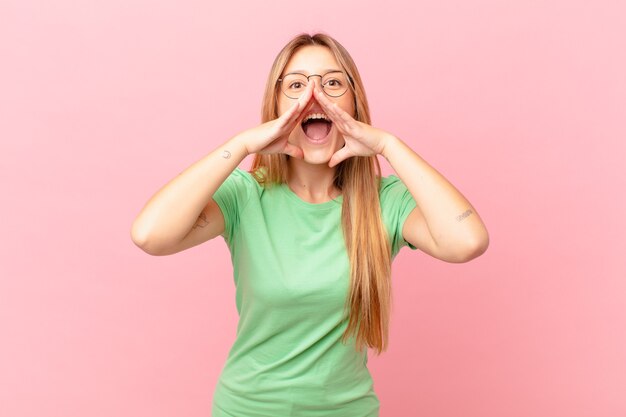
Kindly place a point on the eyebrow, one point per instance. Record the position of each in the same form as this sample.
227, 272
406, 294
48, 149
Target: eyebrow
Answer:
299, 71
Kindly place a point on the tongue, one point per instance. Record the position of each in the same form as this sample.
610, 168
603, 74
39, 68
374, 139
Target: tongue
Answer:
316, 130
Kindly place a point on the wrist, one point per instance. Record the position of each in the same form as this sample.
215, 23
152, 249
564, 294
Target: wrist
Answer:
238, 143
388, 140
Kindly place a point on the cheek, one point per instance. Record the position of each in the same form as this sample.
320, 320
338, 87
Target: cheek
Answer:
348, 106
280, 108
282, 103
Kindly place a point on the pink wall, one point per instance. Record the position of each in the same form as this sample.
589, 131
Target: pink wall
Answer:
520, 104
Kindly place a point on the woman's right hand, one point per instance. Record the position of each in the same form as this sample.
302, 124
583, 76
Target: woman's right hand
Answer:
272, 137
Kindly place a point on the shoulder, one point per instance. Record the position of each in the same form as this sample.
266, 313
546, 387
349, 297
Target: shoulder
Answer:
395, 198
396, 203
391, 187
237, 189
243, 176
389, 181
242, 179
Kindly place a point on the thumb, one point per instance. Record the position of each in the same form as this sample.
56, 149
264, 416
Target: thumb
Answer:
341, 155
293, 150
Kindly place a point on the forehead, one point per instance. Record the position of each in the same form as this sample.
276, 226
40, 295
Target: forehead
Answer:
312, 59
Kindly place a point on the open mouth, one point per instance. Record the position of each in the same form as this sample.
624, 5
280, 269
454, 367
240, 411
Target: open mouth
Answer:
316, 126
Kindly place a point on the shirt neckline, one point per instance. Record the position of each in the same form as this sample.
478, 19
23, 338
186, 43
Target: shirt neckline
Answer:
337, 202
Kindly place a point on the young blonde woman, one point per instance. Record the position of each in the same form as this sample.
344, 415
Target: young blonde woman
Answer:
312, 231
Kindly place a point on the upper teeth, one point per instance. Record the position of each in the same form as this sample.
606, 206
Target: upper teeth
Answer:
315, 116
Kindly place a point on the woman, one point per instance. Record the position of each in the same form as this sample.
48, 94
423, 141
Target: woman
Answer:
312, 230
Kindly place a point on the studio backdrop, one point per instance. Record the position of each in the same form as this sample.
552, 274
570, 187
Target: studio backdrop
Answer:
520, 104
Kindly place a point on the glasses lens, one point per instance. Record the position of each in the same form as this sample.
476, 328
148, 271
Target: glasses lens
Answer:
293, 85
335, 83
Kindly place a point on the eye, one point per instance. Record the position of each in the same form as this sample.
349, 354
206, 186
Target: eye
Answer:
296, 85
334, 83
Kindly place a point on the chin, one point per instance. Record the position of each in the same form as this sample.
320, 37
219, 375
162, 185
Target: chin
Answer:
317, 156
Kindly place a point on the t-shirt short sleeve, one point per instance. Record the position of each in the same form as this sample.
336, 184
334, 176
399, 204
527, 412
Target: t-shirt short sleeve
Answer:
396, 204
232, 197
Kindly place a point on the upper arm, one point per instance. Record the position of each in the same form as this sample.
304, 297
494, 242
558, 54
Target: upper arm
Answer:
209, 225
415, 231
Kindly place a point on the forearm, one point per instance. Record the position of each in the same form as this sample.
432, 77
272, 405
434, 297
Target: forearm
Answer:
172, 211
453, 223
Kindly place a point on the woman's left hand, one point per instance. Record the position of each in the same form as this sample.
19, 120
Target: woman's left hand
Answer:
360, 138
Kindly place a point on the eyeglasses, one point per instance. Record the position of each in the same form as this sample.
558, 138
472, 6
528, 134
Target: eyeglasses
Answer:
334, 83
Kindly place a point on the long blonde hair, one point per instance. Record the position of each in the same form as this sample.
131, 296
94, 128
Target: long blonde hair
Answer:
368, 248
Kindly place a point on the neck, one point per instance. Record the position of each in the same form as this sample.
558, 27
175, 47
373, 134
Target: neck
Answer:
312, 182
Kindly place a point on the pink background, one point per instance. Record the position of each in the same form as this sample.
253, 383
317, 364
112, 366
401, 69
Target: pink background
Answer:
520, 104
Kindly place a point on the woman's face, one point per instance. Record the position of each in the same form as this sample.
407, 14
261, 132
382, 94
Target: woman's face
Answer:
317, 148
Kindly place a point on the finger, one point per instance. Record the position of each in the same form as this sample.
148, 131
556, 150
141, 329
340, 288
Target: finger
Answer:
293, 150
317, 86
332, 110
341, 155
303, 100
306, 111
300, 107
295, 120
287, 120
344, 115
320, 96
322, 99
328, 109
306, 99
291, 113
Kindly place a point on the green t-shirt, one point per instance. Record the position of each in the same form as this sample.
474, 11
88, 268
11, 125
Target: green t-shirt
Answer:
291, 272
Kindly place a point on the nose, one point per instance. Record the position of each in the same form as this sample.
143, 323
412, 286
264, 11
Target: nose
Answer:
316, 80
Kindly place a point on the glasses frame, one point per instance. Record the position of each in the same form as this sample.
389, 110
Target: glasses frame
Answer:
280, 80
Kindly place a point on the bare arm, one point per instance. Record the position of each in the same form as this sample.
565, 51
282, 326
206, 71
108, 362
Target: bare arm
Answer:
444, 224
186, 202
183, 213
